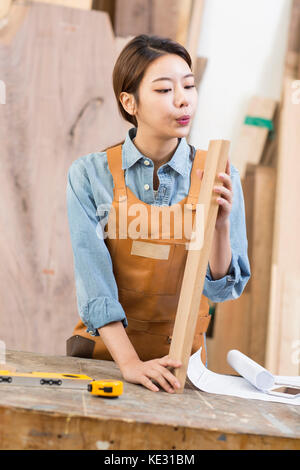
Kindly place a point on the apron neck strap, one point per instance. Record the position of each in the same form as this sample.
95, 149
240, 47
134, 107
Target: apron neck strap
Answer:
114, 159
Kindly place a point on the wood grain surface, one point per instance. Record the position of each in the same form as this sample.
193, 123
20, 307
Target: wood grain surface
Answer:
197, 259
138, 419
60, 105
283, 348
252, 139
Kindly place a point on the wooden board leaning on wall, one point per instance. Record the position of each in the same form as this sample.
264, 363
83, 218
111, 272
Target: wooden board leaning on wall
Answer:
242, 323
283, 348
56, 123
253, 137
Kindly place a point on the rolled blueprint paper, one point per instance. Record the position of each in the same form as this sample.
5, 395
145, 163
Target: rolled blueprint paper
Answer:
250, 370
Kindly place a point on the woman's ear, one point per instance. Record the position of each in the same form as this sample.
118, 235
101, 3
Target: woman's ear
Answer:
128, 102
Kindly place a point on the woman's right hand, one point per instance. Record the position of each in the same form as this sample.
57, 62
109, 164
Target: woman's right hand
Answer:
139, 372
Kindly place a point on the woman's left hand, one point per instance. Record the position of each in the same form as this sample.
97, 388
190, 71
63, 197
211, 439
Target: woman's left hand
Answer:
225, 194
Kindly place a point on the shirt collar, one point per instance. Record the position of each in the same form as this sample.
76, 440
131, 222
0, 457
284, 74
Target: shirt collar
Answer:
179, 161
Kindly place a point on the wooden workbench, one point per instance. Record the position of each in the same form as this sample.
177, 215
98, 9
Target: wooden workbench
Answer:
36, 418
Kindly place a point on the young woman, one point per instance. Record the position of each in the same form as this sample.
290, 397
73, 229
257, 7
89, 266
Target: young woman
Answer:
128, 287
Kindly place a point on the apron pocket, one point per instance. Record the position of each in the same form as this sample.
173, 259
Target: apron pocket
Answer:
135, 269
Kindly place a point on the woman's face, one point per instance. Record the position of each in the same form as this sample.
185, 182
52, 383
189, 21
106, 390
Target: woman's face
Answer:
163, 101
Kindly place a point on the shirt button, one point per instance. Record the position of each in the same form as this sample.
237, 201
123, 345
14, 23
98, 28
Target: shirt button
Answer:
146, 162
146, 187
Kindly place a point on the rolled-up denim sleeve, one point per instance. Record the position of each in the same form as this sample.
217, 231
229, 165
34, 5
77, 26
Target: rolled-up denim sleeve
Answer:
96, 288
233, 283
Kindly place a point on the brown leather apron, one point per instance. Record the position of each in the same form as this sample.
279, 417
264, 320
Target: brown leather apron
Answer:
148, 270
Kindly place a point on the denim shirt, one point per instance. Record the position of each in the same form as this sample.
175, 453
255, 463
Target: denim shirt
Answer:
90, 185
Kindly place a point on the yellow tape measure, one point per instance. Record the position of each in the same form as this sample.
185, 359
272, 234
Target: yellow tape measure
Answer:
111, 388
108, 388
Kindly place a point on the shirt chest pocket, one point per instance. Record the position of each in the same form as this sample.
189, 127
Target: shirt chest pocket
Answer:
149, 267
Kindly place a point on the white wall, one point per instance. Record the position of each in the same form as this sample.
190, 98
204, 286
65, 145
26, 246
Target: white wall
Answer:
245, 42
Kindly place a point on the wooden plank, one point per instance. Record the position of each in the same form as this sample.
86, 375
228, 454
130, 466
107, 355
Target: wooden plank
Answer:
231, 327
82, 4
174, 19
284, 318
166, 18
55, 125
270, 154
132, 17
106, 5
264, 184
198, 70
294, 30
194, 29
293, 46
292, 64
196, 263
252, 139
242, 323
201, 64
138, 419
135, 17
184, 16
4, 7
283, 329
231, 321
